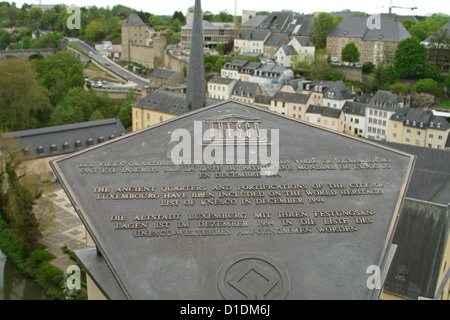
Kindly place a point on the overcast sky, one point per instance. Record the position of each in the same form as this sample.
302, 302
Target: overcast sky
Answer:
168, 7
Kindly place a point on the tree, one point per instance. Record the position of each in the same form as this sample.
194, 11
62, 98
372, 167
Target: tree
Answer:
20, 195
21, 96
438, 49
350, 53
95, 31
180, 16
323, 24
425, 28
428, 85
75, 77
384, 76
398, 88
225, 16
321, 70
410, 58
69, 109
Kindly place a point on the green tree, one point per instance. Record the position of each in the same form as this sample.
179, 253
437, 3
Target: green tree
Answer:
323, 24
384, 76
125, 110
49, 40
410, 58
95, 31
75, 76
350, 53
55, 81
321, 69
398, 88
225, 16
425, 28
428, 85
21, 194
180, 16
69, 109
22, 97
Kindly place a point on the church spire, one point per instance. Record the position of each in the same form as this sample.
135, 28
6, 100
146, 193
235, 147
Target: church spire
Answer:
196, 86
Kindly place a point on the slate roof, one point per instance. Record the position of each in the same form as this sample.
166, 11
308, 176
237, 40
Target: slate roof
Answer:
422, 119
277, 21
430, 180
253, 34
356, 27
263, 99
59, 140
301, 25
163, 73
421, 236
337, 91
288, 50
276, 39
245, 89
250, 67
324, 111
254, 22
133, 20
221, 80
355, 108
304, 41
236, 64
291, 97
385, 100
167, 101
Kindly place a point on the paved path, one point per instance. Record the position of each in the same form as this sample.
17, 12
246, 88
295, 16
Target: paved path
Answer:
67, 229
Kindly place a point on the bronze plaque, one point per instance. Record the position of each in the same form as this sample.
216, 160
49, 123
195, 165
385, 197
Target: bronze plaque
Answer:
234, 201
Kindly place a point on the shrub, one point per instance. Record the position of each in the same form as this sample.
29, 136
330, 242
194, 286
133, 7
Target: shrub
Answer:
51, 273
40, 256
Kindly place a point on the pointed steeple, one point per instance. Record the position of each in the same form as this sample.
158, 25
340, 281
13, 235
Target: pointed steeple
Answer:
196, 86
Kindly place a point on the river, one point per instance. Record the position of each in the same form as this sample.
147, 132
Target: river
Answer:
14, 285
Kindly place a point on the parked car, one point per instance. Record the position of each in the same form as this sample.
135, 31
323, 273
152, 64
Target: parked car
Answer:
107, 64
91, 53
99, 84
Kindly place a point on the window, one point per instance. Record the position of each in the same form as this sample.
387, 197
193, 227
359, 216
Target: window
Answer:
356, 121
440, 138
430, 136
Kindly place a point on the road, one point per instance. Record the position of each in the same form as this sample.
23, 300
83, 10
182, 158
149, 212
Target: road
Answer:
108, 64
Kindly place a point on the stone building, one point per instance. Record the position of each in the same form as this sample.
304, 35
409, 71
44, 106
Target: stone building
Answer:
162, 78
374, 45
135, 46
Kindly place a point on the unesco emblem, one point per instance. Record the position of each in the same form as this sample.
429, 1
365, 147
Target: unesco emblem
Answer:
253, 277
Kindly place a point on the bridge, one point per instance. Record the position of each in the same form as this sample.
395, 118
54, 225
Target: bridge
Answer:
25, 54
